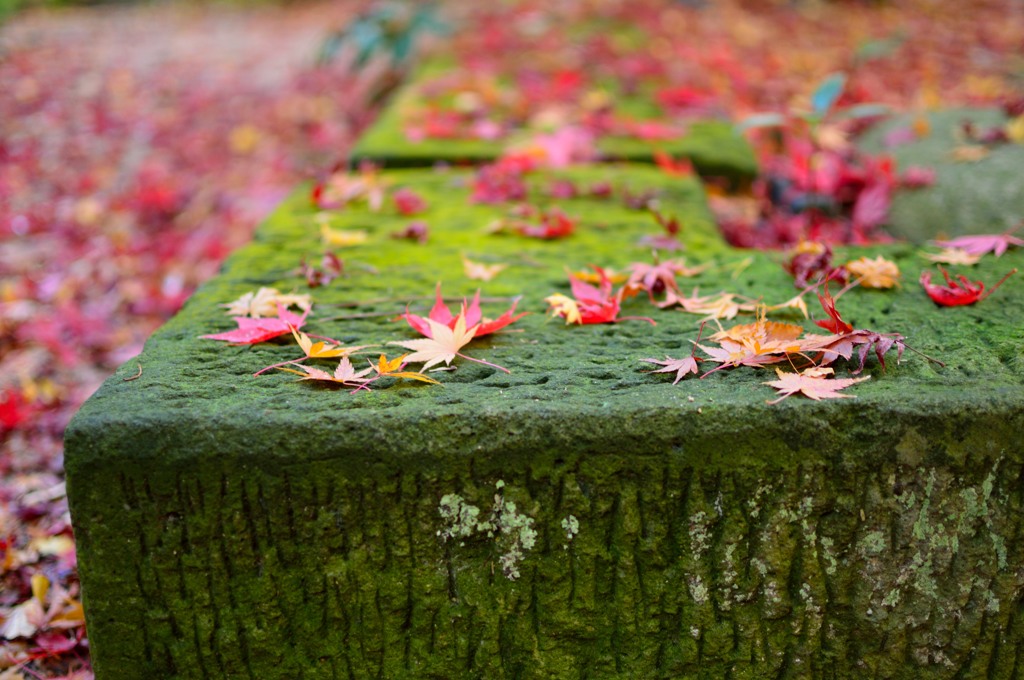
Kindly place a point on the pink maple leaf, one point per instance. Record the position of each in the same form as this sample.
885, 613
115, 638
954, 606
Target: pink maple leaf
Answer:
681, 367
408, 202
253, 331
982, 244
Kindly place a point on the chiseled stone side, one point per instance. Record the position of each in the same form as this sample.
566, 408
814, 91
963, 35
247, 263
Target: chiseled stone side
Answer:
240, 527
902, 563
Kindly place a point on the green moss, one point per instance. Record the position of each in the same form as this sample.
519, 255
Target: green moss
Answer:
967, 198
231, 526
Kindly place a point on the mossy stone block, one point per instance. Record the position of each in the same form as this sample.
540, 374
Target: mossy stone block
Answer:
715, 147
985, 196
238, 527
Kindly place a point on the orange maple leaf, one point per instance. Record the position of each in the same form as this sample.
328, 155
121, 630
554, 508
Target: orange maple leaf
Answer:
392, 368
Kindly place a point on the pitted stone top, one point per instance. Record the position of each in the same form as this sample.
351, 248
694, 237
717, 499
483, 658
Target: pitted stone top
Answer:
575, 387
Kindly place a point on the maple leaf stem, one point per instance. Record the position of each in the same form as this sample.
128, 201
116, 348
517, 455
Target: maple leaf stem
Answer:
485, 363
283, 363
638, 318
700, 331
365, 386
719, 367
852, 284
998, 283
922, 354
324, 337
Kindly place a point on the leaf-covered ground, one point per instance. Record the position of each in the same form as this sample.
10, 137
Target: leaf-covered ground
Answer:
139, 146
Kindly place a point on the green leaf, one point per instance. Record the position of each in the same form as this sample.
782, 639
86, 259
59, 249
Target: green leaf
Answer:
828, 92
761, 120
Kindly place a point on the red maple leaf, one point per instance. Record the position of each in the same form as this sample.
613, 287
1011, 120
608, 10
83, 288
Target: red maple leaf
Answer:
471, 314
956, 294
591, 305
835, 323
552, 224
253, 331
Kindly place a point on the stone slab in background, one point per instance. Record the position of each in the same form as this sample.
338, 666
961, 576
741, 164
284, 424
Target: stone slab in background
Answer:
714, 147
980, 197
231, 526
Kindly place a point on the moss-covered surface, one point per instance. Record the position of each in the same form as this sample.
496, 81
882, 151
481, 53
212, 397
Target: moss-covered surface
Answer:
231, 526
715, 148
980, 197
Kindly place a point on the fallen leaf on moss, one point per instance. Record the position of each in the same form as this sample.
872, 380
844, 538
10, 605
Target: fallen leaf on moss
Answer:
681, 367
874, 273
969, 153
253, 331
659, 277
589, 305
342, 188
812, 383
392, 368
480, 271
345, 374
471, 313
443, 344
762, 332
957, 256
408, 202
982, 244
719, 306
339, 238
264, 302
958, 293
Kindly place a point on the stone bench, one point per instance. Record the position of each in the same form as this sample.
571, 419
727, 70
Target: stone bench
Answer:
232, 526
713, 146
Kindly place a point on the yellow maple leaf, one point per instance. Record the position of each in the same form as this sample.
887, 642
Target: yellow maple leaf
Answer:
594, 277
391, 368
564, 306
264, 302
953, 256
1015, 129
340, 238
796, 302
969, 153
480, 271
321, 349
720, 306
876, 273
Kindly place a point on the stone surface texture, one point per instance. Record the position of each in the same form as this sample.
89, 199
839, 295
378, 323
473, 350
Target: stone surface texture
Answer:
576, 518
